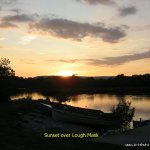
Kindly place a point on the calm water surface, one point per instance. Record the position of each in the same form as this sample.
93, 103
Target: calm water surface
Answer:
103, 102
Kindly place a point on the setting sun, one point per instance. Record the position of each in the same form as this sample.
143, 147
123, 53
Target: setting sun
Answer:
66, 73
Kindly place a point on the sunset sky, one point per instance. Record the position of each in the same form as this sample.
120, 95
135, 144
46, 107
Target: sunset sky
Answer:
84, 37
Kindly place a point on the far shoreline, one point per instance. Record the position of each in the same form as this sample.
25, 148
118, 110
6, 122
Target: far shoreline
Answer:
101, 90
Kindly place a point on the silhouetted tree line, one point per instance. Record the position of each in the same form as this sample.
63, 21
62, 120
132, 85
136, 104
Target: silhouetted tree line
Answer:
79, 82
9, 81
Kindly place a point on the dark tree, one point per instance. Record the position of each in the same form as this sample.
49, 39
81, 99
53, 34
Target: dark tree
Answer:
124, 112
6, 73
5, 69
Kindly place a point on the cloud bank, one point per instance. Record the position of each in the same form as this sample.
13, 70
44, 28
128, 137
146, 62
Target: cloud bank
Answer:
110, 61
77, 31
18, 18
63, 28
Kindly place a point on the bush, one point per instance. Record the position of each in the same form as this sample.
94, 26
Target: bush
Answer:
124, 112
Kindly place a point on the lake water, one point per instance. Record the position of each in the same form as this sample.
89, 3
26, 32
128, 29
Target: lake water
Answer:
103, 102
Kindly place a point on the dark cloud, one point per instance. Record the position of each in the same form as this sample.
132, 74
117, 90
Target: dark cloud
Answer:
95, 2
110, 60
6, 25
20, 18
125, 11
120, 60
77, 31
